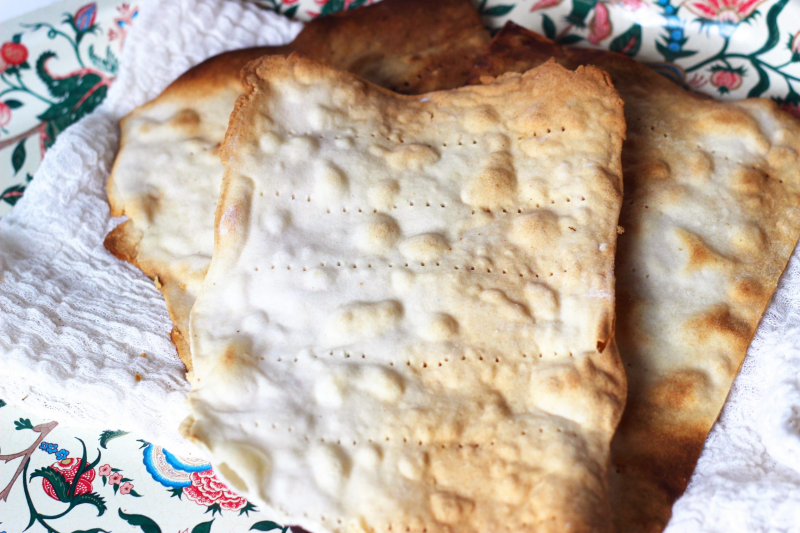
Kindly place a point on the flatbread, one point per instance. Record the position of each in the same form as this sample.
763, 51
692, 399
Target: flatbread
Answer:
166, 176
711, 218
407, 323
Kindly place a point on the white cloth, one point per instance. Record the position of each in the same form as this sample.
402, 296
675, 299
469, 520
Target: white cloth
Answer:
748, 477
74, 320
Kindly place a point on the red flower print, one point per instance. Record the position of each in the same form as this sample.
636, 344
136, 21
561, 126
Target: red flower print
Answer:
207, 490
114, 478
5, 114
126, 487
726, 80
104, 470
68, 468
724, 12
14, 53
600, 26
84, 18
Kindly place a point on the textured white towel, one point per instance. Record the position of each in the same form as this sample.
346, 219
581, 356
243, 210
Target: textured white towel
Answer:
74, 320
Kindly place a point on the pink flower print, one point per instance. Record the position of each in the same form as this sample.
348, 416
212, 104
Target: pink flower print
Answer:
114, 478
126, 487
544, 4
5, 114
630, 5
104, 470
726, 80
697, 81
207, 490
600, 25
726, 14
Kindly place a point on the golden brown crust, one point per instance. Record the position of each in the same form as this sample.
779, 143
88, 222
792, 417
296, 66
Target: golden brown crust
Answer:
711, 218
401, 44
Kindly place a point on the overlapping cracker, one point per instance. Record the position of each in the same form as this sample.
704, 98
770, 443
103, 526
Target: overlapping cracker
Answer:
711, 217
167, 173
407, 322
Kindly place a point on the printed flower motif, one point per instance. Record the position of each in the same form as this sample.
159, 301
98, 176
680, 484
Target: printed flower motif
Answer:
123, 22
697, 81
794, 45
62, 454
600, 25
84, 17
126, 488
726, 79
630, 5
14, 54
114, 478
544, 4
104, 470
5, 118
68, 468
3, 65
726, 14
207, 490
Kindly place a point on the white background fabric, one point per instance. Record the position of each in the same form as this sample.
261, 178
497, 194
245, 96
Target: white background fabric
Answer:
74, 320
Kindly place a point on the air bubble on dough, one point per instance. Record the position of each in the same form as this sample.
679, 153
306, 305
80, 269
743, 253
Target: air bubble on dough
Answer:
269, 142
382, 194
377, 234
381, 383
330, 466
541, 300
424, 247
330, 183
440, 328
412, 157
361, 320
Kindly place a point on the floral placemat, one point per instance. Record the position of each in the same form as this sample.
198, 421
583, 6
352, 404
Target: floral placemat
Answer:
56, 65
59, 479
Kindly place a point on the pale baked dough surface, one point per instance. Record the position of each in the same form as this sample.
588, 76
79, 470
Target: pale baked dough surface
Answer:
711, 216
407, 323
167, 174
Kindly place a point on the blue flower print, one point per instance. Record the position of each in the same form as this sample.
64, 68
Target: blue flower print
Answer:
43, 446
52, 448
62, 454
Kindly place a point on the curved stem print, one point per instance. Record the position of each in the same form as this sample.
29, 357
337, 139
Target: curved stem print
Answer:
42, 430
22, 87
52, 33
719, 55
